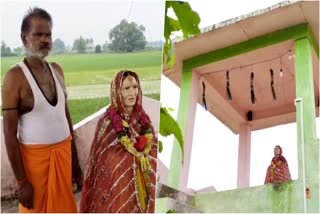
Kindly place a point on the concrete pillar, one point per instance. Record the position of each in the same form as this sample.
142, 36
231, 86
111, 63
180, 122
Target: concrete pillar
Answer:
244, 151
179, 167
308, 145
188, 134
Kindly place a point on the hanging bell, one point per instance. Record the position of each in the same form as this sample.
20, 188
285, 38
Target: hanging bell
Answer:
281, 72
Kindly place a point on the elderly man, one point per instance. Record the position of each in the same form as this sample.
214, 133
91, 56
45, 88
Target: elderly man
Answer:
37, 125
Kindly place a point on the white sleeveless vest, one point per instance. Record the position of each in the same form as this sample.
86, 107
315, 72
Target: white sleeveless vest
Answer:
44, 124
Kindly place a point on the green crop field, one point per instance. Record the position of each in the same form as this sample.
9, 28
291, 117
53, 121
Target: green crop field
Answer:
86, 69
88, 76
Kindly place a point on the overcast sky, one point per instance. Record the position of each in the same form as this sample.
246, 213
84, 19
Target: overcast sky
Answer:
92, 19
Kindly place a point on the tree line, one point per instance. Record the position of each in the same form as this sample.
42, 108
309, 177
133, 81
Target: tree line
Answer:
124, 37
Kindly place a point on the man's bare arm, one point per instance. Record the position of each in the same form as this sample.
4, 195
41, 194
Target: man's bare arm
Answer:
10, 101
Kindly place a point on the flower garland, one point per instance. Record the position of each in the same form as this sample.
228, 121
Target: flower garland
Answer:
274, 164
140, 148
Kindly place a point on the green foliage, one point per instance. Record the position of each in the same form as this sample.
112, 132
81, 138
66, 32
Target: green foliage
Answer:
105, 47
5, 50
171, 211
187, 21
81, 45
170, 109
127, 37
169, 126
58, 46
19, 51
97, 49
89, 42
160, 146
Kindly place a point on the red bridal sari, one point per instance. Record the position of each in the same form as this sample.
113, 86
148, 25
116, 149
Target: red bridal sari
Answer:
278, 171
116, 180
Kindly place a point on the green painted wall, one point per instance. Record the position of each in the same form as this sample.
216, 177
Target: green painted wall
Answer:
162, 205
284, 197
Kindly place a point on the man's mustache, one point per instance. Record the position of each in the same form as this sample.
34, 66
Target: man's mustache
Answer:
45, 46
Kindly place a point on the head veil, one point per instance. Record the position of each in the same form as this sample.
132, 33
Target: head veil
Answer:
280, 157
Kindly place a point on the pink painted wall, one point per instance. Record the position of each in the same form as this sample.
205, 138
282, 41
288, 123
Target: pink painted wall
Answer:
244, 152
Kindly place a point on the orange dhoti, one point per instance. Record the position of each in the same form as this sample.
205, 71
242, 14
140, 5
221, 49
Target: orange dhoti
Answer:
48, 169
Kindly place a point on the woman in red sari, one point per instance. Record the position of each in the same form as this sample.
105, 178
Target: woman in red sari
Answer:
121, 171
278, 171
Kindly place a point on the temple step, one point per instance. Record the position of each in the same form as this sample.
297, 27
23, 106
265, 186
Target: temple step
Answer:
168, 198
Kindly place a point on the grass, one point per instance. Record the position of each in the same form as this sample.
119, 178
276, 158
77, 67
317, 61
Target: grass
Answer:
75, 78
80, 109
86, 69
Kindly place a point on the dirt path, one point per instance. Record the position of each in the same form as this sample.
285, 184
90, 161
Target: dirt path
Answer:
101, 90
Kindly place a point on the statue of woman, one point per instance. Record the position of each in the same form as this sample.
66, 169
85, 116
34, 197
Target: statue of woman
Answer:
278, 171
121, 171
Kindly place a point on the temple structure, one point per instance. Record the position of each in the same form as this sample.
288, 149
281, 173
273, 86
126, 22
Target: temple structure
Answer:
233, 60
